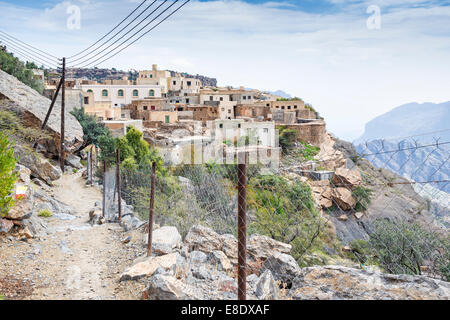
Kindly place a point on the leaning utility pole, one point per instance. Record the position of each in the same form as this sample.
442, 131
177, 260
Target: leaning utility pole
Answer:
63, 114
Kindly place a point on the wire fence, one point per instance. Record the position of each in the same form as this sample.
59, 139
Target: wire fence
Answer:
384, 206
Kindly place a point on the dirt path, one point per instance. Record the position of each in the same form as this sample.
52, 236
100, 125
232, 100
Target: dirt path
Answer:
75, 260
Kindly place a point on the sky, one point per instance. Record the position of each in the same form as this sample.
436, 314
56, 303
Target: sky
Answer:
335, 54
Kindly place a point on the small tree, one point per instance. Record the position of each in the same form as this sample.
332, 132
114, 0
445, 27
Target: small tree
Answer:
7, 176
403, 247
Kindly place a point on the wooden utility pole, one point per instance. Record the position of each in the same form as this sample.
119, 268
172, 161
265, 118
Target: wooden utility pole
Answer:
63, 114
152, 210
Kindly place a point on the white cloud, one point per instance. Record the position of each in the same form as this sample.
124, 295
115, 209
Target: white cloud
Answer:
348, 72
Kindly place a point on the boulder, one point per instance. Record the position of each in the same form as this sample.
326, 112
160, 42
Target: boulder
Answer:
262, 247
344, 199
165, 240
266, 287
33, 108
347, 178
322, 194
146, 266
39, 166
164, 287
24, 174
230, 247
203, 239
130, 222
283, 267
35, 225
73, 161
338, 283
197, 257
22, 208
219, 261
5, 226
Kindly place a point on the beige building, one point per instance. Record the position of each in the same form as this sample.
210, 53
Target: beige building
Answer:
154, 77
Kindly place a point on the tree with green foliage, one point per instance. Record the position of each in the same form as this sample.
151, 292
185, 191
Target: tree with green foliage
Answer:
22, 71
287, 138
402, 247
285, 211
7, 176
92, 129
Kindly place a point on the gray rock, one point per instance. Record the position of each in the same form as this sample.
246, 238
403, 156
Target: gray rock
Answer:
219, 261
165, 240
164, 287
5, 226
73, 161
33, 108
337, 283
283, 267
266, 287
197, 257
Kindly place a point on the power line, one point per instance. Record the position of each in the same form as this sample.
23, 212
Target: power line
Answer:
92, 51
140, 37
128, 32
30, 56
21, 48
437, 144
46, 53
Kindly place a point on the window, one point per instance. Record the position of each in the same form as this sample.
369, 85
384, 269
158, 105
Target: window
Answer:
86, 100
245, 97
153, 108
120, 93
167, 119
229, 110
174, 83
187, 100
145, 108
135, 93
152, 93
249, 98
282, 107
90, 91
104, 93
189, 83
151, 76
295, 107
289, 107
221, 126
221, 98
211, 98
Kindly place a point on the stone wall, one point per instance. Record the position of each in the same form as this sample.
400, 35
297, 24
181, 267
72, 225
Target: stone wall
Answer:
313, 133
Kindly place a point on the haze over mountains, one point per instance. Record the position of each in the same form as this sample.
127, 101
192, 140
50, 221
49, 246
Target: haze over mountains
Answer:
390, 142
411, 119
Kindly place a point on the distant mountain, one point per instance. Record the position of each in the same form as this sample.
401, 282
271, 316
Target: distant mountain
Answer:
391, 140
410, 120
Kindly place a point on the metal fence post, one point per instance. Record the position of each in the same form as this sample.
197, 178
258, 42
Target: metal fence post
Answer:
152, 210
104, 189
63, 117
242, 227
119, 194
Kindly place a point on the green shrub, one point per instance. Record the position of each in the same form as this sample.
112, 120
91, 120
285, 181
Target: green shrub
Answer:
23, 72
11, 125
7, 177
403, 247
45, 213
285, 211
363, 197
287, 138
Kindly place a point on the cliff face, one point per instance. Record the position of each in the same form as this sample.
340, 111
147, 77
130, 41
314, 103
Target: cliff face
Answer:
18, 97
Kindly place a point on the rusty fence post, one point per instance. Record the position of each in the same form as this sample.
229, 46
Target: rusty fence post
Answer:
63, 116
242, 227
91, 166
104, 188
152, 210
119, 191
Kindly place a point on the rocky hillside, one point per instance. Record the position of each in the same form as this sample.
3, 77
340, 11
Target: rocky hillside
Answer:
32, 109
203, 266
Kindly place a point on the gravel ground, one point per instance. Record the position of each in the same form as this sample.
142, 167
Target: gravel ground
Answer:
75, 261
